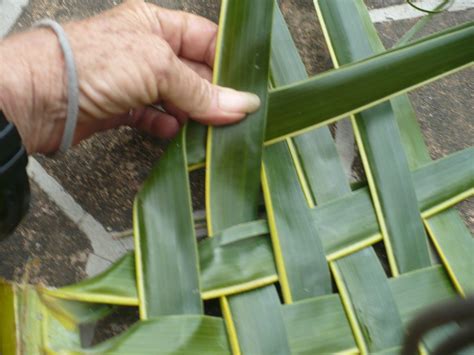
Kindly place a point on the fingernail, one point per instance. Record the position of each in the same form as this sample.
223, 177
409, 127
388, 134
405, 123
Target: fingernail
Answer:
236, 101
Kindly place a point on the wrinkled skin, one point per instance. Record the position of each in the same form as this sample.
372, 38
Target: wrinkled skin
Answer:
127, 58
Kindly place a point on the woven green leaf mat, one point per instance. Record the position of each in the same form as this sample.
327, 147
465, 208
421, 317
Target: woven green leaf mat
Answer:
294, 268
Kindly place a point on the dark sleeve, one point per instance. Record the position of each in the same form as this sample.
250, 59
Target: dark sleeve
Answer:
14, 185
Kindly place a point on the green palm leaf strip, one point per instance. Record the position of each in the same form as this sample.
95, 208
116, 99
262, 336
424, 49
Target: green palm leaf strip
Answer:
368, 301
379, 141
299, 253
33, 322
345, 225
453, 253
403, 69
165, 243
455, 245
233, 165
8, 320
168, 286
318, 156
185, 335
117, 285
419, 289
236, 260
244, 47
61, 321
298, 249
447, 230
376, 131
316, 325
19, 314
182, 334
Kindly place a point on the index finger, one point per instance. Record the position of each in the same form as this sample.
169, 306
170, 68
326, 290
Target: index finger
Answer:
190, 36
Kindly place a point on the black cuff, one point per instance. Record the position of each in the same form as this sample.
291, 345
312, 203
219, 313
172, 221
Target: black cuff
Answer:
14, 185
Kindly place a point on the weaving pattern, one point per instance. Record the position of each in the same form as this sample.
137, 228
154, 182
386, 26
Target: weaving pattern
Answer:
320, 238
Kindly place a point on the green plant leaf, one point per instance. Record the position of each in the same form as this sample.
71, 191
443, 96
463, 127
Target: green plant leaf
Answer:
441, 227
236, 260
234, 152
318, 326
8, 321
379, 141
355, 87
455, 245
420, 289
33, 322
169, 335
344, 225
258, 322
117, 285
370, 304
166, 247
323, 172
233, 165
299, 253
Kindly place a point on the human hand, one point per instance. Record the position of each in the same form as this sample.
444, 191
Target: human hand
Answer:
127, 58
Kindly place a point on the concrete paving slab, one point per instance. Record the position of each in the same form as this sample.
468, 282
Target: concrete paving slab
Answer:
403, 11
9, 12
378, 4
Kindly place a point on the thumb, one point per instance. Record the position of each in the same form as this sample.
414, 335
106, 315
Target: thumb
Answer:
203, 101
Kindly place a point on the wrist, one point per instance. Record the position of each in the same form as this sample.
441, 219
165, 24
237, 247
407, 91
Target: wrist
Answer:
32, 94
15, 86
12, 80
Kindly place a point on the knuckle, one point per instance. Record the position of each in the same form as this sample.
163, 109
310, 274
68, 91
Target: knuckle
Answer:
162, 59
168, 63
204, 95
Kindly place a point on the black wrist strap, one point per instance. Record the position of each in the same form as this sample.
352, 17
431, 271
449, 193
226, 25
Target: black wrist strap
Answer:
14, 185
